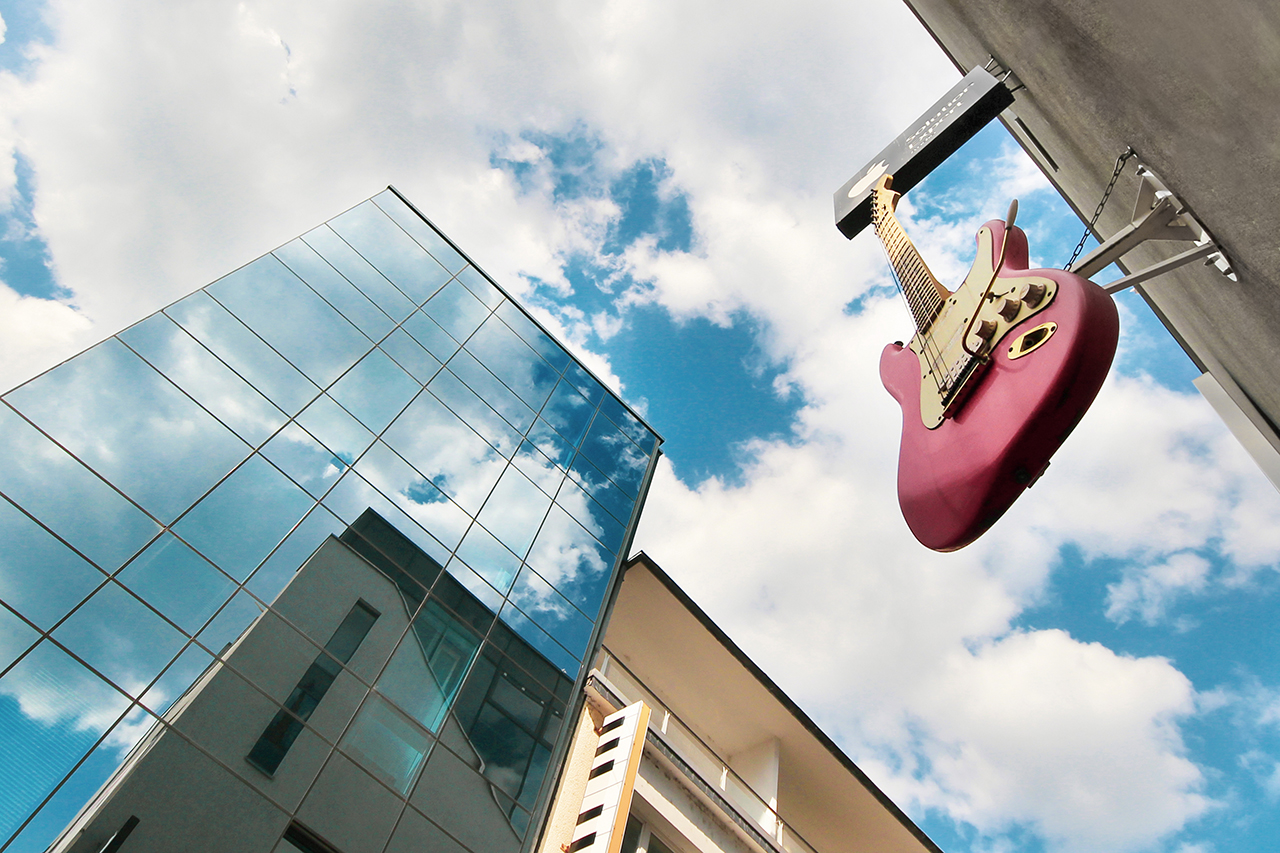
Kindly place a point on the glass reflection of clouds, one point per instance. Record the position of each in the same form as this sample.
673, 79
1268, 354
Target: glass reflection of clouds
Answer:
157, 491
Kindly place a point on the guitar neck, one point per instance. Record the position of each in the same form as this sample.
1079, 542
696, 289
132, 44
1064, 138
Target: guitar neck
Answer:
924, 294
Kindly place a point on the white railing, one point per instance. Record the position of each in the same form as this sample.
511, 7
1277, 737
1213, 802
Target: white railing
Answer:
703, 760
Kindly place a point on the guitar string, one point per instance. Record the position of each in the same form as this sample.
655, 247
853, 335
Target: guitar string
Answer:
917, 289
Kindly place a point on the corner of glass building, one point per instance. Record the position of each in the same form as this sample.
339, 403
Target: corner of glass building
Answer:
324, 546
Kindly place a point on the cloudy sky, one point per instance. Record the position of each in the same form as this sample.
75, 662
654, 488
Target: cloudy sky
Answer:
654, 180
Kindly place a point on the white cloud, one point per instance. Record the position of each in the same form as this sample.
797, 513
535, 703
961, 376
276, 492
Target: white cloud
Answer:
1146, 592
36, 334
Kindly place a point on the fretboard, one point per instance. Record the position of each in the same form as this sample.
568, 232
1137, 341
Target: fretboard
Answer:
924, 294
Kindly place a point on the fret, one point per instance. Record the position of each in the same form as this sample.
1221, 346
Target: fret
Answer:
924, 294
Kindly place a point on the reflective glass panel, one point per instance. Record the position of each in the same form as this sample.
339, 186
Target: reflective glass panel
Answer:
591, 515
533, 336
195, 370
484, 420
414, 494
239, 523
480, 287
456, 310
230, 623
551, 444
491, 390
178, 582
358, 271
538, 468
289, 316
39, 576
514, 511
387, 744
474, 584
615, 455
628, 423
63, 806
552, 612
175, 680
489, 558
428, 333
304, 459
124, 420
52, 712
539, 639
602, 489
410, 355
16, 637
421, 231
70, 500
511, 360
569, 412
584, 382
426, 671
395, 254
115, 634
375, 390
335, 289
231, 341
272, 576
447, 451
336, 429
572, 560
353, 495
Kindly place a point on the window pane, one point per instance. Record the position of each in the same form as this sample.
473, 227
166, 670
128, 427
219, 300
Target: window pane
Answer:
39, 576
424, 674
615, 455
538, 468
116, 635
230, 623
245, 517
551, 444
336, 429
353, 495
421, 231
335, 289
375, 390
572, 560
433, 338
180, 675
552, 612
591, 515
52, 711
484, 420
628, 423
304, 459
456, 310
569, 412
231, 341
289, 316
70, 500
488, 388
447, 451
602, 489
296, 549
474, 584
414, 494
178, 582
514, 511
16, 637
512, 361
195, 370
357, 270
489, 558
539, 639
387, 744
410, 355
533, 336
584, 382
124, 420
480, 287
395, 254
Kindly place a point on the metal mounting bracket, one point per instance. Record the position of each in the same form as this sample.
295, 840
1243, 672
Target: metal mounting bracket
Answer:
1157, 215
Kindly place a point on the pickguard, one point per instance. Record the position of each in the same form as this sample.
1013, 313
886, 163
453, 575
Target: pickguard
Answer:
947, 372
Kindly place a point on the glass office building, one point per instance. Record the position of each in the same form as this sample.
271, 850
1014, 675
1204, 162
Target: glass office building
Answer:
310, 559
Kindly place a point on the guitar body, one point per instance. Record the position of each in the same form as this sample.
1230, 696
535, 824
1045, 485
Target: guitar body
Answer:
957, 478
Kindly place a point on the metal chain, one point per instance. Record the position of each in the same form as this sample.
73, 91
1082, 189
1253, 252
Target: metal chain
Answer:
1115, 176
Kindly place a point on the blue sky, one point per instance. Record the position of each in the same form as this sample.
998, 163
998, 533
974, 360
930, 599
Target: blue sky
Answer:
657, 189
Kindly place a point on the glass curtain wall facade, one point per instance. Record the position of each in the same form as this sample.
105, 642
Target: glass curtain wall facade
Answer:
365, 391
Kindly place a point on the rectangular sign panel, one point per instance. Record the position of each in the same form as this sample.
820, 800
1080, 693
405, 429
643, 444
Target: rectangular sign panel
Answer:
934, 137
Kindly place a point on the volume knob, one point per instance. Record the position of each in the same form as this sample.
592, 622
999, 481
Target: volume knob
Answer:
1031, 293
1009, 308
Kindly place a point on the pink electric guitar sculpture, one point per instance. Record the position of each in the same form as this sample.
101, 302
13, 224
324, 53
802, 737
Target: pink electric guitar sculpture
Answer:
998, 374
